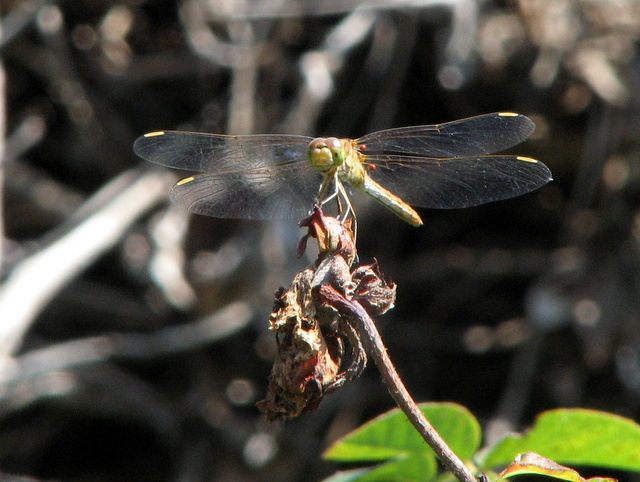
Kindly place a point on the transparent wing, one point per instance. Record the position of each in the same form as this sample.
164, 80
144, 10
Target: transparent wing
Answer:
195, 151
250, 177
475, 136
457, 182
281, 192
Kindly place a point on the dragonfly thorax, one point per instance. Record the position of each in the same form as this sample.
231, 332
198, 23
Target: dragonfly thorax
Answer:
326, 153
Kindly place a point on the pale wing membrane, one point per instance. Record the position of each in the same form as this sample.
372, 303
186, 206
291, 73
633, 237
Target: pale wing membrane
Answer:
281, 192
475, 136
195, 151
457, 182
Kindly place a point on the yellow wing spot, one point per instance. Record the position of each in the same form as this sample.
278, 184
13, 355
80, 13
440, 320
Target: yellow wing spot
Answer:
508, 114
527, 159
155, 134
185, 180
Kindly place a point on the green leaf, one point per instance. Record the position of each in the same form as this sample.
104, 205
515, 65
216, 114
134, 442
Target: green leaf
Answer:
347, 475
391, 436
574, 437
532, 463
412, 469
417, 467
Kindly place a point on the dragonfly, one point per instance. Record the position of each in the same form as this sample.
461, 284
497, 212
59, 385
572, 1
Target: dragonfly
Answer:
278, 176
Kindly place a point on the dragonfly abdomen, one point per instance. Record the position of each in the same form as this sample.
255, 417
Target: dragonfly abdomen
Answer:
390, 201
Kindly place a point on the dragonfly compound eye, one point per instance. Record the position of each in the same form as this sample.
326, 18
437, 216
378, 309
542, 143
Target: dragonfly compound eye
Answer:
337, 151
320, 154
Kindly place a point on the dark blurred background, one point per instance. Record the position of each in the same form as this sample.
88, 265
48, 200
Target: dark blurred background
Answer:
133, 336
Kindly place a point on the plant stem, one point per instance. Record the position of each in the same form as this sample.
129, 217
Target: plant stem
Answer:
375, 347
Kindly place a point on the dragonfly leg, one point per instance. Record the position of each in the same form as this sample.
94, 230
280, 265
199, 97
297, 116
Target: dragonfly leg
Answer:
324, 187
344, 197
337, 192
340, 193
349, 210
320, 199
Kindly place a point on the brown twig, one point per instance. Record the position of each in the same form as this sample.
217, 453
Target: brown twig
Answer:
306, 367
375, 347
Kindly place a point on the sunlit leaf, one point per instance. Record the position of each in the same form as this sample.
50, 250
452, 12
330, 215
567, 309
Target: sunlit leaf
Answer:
532, 463
391, 437
391, 434
574, 437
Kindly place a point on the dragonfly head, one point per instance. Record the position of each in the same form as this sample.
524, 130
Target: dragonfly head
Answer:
326, 153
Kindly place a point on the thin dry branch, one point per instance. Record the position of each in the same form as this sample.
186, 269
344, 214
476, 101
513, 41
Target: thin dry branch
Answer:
37, 279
